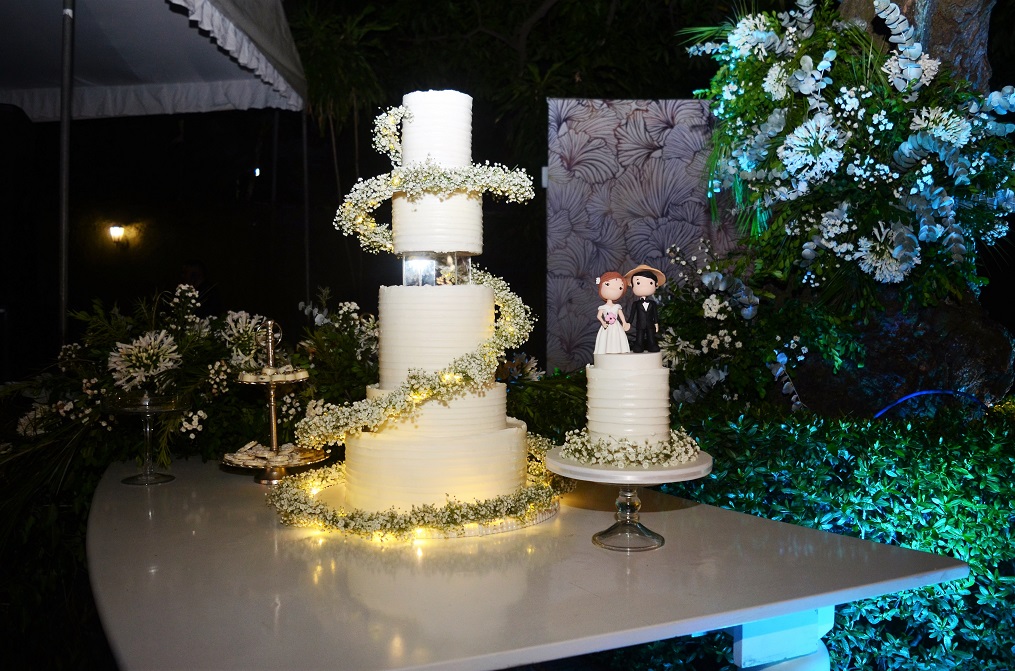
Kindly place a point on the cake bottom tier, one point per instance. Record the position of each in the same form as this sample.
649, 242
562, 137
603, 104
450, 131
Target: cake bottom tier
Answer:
628, 398
400, 469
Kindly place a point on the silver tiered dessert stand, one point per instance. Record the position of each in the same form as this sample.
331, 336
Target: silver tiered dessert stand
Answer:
270, 473
628, 534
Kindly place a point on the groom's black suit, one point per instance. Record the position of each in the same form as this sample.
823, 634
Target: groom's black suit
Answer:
643, 325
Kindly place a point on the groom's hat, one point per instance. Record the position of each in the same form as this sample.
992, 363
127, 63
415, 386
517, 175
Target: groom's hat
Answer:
659, 275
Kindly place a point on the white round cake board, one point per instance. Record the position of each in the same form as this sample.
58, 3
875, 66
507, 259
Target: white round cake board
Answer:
635, 475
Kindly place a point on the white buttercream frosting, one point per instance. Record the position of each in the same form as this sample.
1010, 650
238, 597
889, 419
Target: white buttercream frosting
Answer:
428, 327
431, 223
402, 469
628, 398
439, 128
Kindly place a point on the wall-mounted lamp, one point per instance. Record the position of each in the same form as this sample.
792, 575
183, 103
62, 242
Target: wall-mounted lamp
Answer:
118, 234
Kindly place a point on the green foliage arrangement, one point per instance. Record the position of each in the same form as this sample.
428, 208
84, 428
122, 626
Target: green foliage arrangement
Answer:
59, 433
940, 487
719, 335
854, 164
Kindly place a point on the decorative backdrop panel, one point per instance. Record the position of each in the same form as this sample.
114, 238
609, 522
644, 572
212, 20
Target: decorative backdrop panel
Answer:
626, 182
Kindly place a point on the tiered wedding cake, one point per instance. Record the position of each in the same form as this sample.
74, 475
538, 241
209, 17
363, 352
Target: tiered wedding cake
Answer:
465, 448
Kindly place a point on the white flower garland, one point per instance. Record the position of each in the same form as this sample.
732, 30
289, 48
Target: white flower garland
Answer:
294, 497
355, 216
468, 372
680, 449
386, 137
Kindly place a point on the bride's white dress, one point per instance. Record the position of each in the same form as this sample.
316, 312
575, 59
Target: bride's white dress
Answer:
613, 338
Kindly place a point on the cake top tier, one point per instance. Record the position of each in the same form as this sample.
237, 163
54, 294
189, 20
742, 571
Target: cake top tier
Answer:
440, 126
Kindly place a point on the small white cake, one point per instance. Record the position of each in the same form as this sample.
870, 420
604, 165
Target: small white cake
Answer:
628, 420
628, 398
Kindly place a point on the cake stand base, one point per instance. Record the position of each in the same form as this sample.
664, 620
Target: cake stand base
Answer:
270, 475
628, 534
145, 479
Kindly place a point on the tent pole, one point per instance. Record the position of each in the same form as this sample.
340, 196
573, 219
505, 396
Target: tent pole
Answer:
66, 96
306, 211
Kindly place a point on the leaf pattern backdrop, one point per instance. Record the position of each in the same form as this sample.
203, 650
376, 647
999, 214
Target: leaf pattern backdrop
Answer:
626, 182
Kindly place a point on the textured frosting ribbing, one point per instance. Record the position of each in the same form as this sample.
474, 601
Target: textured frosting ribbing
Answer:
428, 327
628, 397
402, 469
431, 223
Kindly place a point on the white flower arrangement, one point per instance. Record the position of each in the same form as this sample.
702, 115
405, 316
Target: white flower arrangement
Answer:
239, 333
471, 371
813, 113
192, 423
355, 217
295, 499
681, 448
144, 361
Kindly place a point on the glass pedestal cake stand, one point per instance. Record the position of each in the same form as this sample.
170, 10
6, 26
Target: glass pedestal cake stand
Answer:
148, 406
628, 534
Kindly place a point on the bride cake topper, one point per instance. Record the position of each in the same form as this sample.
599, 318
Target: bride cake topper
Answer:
612, 337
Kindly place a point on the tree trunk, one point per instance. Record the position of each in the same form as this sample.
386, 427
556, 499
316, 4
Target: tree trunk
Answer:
952, 31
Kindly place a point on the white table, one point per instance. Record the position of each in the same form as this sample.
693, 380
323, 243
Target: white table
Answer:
199, 574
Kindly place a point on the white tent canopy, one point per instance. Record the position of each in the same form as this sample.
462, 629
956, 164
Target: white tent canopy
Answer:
138, 57
135, 57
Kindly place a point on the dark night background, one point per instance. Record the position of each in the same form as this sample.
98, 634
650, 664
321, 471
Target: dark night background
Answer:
186, 183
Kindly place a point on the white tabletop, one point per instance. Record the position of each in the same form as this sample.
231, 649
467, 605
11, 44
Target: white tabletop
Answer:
199, 574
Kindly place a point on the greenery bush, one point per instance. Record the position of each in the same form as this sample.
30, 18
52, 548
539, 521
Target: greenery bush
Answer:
941, 486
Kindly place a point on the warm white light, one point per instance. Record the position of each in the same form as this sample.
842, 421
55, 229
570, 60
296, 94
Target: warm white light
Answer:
116, 233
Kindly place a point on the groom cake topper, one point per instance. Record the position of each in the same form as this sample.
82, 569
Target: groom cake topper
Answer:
644, 313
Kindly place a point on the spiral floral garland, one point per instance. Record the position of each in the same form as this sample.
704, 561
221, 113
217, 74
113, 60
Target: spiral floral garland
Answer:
295, 498
471, 371
355, 217
468, 372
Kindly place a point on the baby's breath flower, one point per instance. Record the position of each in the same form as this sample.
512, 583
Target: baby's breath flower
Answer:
680, 448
